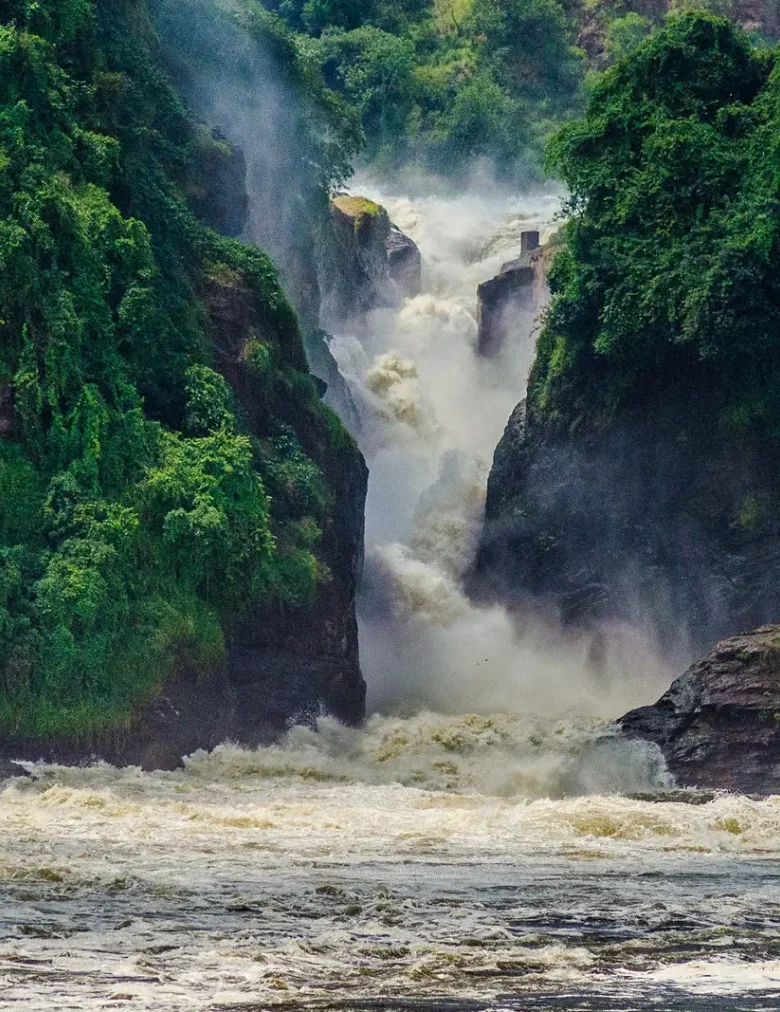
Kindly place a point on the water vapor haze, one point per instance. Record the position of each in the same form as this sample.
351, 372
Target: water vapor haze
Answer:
426, 410
432, 413
242, 83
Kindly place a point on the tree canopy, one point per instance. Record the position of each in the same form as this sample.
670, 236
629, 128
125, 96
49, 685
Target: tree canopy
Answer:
668, 272
139, 516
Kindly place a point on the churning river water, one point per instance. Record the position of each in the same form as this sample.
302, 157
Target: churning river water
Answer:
483, 845
414, 864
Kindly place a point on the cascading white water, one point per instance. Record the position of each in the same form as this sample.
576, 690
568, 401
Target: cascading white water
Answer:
426, 861
432, 412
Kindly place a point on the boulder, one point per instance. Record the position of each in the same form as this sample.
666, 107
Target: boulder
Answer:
353, 266
10, 770
718, 725
508, 303
364, 263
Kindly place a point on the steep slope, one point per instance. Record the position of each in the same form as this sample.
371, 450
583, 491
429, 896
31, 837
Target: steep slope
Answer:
642, 478
607, 30
177, 506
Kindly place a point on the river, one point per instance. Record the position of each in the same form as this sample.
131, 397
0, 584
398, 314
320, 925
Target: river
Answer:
481, 844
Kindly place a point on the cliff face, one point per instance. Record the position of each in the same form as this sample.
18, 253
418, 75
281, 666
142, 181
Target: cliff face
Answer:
364, 263
759, 16
281, 664
181, 518
643, 479
514, 297
288, 663
661, 521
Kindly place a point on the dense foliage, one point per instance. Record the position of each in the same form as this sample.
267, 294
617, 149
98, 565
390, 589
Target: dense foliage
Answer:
138, 515
445, 82
670, 271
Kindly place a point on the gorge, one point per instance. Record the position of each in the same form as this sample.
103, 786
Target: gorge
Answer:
340, 568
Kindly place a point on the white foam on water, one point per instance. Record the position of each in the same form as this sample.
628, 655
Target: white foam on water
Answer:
418, 856
474, 841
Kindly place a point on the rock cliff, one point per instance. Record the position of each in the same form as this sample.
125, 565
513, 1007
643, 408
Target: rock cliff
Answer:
759, 16
282, 664
719, 724
513, 298
662, 520
364, 263
201, 547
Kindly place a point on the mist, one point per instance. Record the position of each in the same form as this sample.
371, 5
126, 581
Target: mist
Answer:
431, 414
242, 82
426, 410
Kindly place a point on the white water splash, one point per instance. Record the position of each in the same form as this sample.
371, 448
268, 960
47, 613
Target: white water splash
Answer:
418, 857
432, 413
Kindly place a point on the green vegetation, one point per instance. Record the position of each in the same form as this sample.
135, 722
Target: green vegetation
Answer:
139, 514
669, 273
445, 82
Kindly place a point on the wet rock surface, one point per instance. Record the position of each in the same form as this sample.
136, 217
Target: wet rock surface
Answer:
364, 263
10, 769
505, 301
663, 521
353, 267
283, 663
718, 725
404, 262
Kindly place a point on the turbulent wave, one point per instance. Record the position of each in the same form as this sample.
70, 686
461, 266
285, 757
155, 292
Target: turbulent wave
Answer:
485, 842
419, 861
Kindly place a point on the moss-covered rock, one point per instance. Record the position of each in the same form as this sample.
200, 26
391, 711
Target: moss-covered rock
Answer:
365, 262
642, 479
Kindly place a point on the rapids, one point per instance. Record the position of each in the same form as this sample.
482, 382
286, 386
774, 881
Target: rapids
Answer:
431, 413
484, 842
417, 863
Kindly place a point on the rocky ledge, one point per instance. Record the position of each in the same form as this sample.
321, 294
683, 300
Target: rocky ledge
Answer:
663, 520
365, 262
508, 303
718, 725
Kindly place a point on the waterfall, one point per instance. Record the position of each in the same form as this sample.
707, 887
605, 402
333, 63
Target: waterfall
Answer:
431, 412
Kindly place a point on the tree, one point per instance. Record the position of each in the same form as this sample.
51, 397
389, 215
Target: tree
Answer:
669, 271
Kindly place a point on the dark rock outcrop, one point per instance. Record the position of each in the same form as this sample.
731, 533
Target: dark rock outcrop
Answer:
281, 665
353, 268
10, 770
718, 726
311, 655
505, 302
364, 263
404, 262
664, 521
219, 194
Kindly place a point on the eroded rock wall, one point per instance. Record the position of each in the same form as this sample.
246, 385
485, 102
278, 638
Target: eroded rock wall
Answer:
661, 520
718, 725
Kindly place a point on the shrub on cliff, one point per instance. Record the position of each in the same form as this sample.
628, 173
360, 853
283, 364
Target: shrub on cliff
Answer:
135, 518
670, 271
